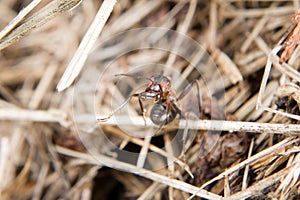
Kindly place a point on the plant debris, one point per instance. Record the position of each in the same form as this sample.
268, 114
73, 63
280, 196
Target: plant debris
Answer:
227, 150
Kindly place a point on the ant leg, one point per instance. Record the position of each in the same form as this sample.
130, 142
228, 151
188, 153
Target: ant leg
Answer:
186, 134
141, 106
178, 111
184, 141
169, 108
188, 88
118, 108
185, 131
167, 112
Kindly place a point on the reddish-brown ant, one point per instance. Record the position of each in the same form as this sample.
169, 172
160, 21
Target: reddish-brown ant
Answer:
159, 89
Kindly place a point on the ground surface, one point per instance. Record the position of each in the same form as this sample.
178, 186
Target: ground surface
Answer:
52, 146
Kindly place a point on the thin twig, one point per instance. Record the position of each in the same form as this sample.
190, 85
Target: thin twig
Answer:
214, 125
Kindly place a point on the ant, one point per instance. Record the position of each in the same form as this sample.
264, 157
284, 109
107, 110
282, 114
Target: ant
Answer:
159, 89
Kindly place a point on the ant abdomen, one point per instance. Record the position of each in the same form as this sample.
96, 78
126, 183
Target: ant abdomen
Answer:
159, 116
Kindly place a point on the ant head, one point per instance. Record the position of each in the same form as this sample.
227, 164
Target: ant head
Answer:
161, 80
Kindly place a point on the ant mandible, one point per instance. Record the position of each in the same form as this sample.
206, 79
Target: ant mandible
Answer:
159, 89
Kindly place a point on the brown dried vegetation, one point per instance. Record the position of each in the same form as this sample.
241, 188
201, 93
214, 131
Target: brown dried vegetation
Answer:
255, 155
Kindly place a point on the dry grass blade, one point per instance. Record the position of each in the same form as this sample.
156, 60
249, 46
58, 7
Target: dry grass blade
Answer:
258, 12
256, 189
228, 66
34, 115
290, 179
183, 28
88, 41
19, 18
246, 172
151, 191
37, 19
265, 77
